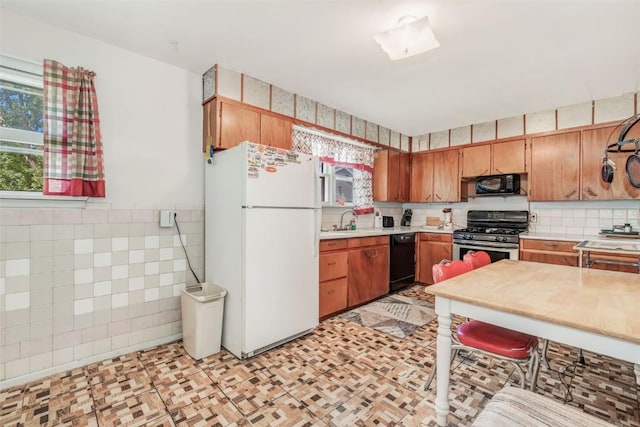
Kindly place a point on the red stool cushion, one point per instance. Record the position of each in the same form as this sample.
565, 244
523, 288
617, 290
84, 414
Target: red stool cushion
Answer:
447, 269
476, 259
495, 339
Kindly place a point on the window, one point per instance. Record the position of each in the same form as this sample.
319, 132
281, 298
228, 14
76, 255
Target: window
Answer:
21, 125
336, 184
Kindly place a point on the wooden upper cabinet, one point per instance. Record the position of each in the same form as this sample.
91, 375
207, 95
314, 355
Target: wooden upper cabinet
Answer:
275, 131
593, 146
476, 161
494, 159
238, 124
421, 189
509, 157
446, 176
555, 167
405, 176
390, 176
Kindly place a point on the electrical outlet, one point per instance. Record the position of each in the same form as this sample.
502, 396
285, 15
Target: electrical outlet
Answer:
167, 218
533, 218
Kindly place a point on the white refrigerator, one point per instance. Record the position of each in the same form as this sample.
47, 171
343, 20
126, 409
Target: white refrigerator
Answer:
262, 224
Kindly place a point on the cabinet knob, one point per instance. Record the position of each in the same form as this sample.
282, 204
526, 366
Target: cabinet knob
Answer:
331, 263
572, 193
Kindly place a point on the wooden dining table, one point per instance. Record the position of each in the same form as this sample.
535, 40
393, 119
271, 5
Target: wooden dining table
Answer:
595, 310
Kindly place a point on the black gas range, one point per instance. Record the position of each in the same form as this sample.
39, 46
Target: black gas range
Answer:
491, 230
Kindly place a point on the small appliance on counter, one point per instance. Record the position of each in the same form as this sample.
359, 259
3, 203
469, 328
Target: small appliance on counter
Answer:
406, 218
387, 222
377, 220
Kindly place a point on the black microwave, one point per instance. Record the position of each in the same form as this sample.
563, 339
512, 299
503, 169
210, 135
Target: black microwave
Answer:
497, 185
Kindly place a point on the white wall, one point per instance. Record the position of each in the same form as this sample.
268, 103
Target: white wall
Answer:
150, 112
85, 284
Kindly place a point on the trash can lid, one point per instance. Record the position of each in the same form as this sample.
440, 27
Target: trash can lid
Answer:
205, 292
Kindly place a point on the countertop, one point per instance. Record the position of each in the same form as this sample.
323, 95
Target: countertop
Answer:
367, 232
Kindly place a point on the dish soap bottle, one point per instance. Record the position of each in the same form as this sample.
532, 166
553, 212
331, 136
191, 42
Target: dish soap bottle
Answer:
377, 220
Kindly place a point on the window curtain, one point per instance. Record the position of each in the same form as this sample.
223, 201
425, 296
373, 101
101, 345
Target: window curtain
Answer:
341, 153
73, 158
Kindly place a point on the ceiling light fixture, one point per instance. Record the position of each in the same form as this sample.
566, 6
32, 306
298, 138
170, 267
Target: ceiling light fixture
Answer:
410, 37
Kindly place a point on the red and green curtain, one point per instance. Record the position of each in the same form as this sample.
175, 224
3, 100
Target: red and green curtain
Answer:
339, 152
73, 156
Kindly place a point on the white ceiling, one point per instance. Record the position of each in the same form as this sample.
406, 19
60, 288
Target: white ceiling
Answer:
497, 58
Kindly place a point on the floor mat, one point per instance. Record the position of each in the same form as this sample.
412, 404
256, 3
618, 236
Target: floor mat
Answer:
396, 315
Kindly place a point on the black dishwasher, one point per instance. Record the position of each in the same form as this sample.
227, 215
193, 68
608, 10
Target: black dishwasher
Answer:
403, 261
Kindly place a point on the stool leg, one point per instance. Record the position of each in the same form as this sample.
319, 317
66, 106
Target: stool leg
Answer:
545, 347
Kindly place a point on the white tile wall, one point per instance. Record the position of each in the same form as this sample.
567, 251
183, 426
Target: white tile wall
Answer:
305, 109
72, 280
343, 122
371, 131
384, 135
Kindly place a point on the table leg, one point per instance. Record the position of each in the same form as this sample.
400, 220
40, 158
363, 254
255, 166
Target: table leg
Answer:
443, 361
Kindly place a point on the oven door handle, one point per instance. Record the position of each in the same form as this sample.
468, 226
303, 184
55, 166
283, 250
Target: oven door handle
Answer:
487, 245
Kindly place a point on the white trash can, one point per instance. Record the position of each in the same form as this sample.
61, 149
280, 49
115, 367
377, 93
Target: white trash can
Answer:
202, 312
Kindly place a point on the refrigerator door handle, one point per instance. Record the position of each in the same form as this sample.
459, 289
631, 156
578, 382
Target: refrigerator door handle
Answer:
316, 232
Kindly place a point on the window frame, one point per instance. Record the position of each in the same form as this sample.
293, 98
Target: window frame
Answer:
328, 172
28, 73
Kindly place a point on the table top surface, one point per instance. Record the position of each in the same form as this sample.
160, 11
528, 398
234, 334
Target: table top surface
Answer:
600, 301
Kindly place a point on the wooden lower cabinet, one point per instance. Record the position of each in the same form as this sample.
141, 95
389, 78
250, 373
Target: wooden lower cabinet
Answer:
549, 251
333, 296
333, 276
431, 249
352, 271
368, 269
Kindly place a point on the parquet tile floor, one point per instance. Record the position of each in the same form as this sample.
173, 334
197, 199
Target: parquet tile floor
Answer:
342, 374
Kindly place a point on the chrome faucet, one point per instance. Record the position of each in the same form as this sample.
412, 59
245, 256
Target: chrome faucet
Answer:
355, 216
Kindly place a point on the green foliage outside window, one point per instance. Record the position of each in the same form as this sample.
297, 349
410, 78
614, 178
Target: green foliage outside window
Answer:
20, 162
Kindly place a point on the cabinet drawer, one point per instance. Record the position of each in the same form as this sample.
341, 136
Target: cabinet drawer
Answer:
550, 258
333, 265
435, 237
548, 245
367, 241
333, 296
330, 245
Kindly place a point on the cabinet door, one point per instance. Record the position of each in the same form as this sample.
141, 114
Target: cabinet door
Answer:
476, 161
429, 254
379, 270
380, 174
275, 131
238, 124
593, 187
421, 189
368, 274
404, 176
209, 122
555, 166
393, 176
446, 178
333, 296
509, 157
